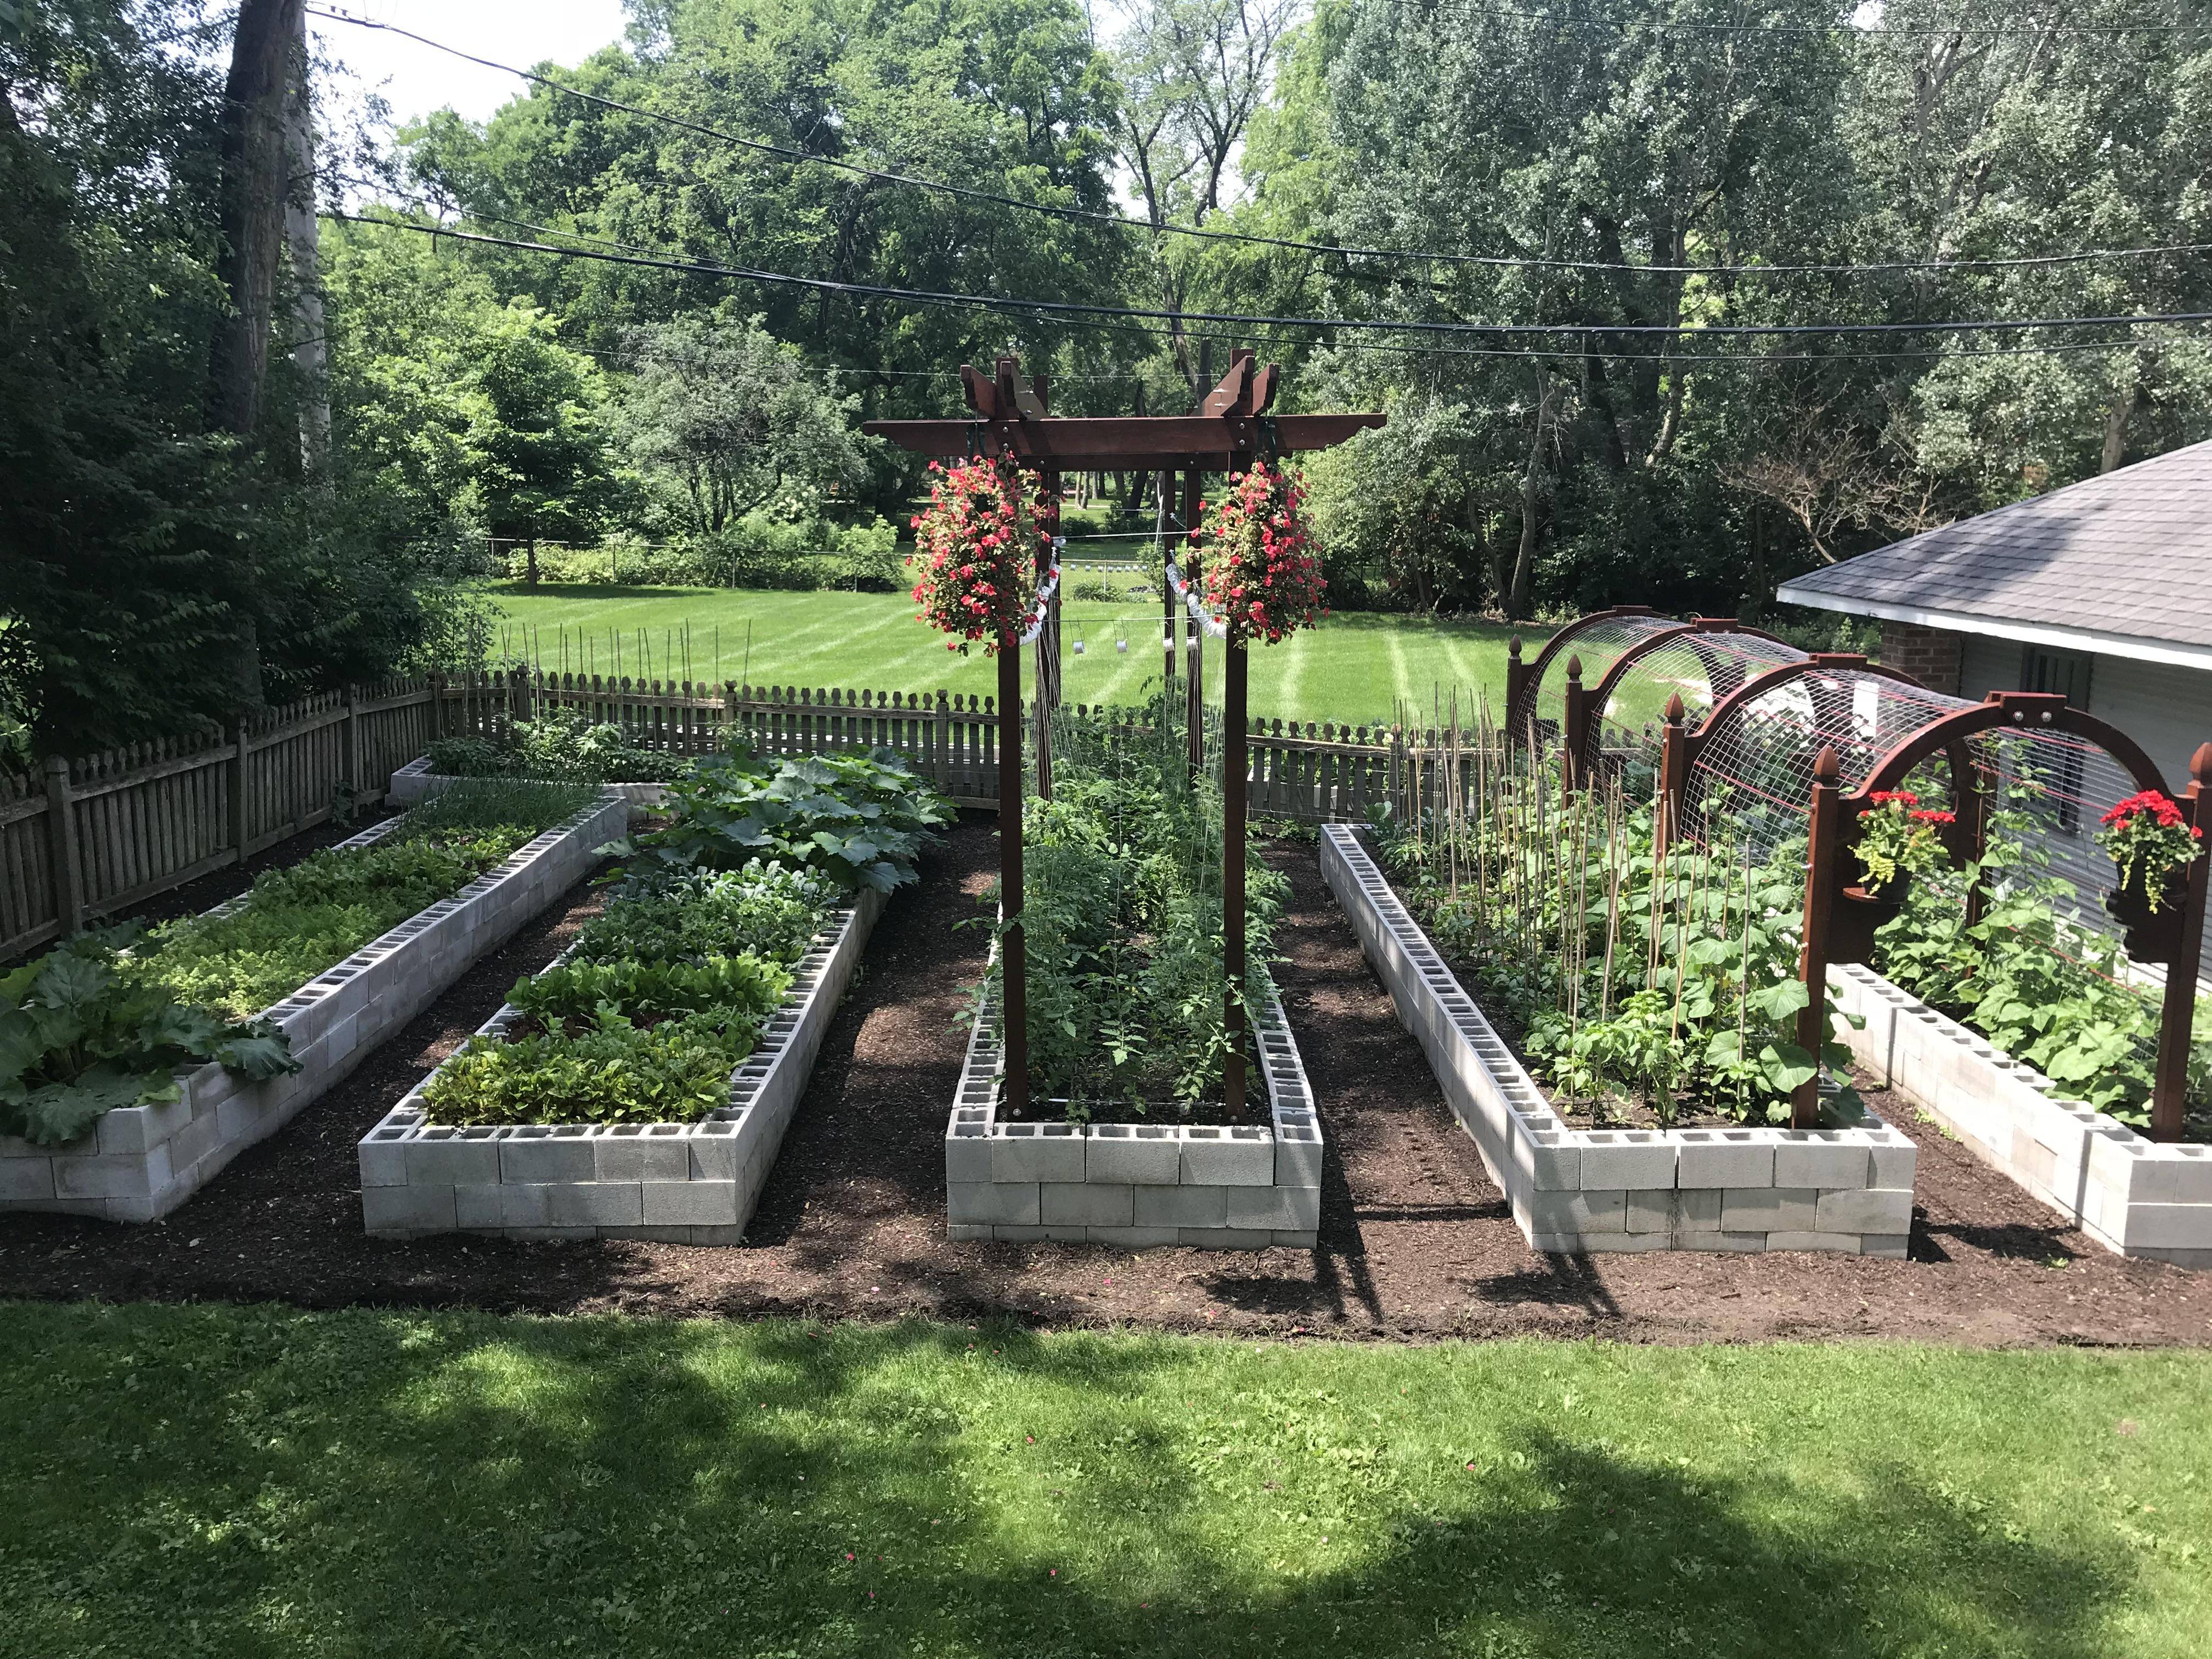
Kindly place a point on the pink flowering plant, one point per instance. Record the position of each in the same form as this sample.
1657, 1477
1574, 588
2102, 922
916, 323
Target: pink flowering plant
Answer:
1897, 836
976, 549
1262, 577
2150, 839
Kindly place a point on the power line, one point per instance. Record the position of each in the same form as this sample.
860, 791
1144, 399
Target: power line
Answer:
1290, 244
1843, 28
1082, 314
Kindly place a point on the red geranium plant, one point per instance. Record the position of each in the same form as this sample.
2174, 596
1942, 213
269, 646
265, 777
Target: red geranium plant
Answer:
2150, 839
976, 547
1897, 836
1261, 576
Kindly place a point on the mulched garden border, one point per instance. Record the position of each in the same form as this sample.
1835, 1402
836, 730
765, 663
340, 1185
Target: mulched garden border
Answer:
1415, 1242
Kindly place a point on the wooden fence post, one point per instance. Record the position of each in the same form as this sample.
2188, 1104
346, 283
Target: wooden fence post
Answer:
2178, 1009
237, 768
1820, 853
349, 745
943, 716
61, 842
1516, 677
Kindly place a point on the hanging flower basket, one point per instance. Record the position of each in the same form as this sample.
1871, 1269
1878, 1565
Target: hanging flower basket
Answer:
2151, 844
1261, 577
977, 547
1898, 839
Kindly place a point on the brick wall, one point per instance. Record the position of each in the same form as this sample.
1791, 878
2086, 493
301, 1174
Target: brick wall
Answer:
1930, 655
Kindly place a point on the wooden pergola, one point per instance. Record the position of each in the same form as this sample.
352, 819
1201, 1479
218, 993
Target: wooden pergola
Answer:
1229, 431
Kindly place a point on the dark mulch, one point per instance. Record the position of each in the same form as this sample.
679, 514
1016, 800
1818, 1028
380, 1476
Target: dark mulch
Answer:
1415, 1240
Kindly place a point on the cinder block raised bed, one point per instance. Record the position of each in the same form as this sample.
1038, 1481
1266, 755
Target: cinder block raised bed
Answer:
139, 1163
681, 1183
2133, 1195
1581, 1190
1231, 1186
412, 781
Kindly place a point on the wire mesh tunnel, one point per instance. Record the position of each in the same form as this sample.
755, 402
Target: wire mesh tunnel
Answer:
1699, 666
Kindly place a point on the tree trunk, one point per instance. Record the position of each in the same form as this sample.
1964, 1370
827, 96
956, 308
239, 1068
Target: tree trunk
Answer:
1524, 562
254, 155
310, 354
530, 562
1759, 587
2131, 398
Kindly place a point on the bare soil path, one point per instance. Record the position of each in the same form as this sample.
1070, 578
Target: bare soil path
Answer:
1415, 1242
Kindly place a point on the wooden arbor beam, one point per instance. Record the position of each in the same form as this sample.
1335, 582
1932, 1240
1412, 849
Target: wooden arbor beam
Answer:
1179, 442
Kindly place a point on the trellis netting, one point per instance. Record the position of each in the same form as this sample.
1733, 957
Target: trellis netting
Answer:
1700, 668
1597, 645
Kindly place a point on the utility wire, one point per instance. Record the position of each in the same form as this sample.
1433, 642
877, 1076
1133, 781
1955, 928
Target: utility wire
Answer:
1089, 315
1087, 216
1843, 28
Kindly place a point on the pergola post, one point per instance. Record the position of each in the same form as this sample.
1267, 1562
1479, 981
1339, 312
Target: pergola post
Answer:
1195, 692
2178, 1010
1167, 588
1013, 962
1233, 763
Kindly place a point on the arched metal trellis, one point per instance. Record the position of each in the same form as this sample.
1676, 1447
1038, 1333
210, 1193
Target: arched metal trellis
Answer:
1778, 752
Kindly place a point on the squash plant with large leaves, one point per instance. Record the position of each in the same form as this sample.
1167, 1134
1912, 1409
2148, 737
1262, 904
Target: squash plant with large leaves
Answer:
861, 820
78, 1039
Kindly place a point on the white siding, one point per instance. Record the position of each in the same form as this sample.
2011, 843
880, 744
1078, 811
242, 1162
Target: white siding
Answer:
2167, 710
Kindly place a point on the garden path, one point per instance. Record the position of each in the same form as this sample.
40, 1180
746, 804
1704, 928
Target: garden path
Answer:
1415, 1241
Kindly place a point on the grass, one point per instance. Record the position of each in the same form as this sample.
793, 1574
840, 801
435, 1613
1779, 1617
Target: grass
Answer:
248, 1481
1350, 669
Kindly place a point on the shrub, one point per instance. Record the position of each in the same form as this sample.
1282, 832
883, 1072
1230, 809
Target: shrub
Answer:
565, 745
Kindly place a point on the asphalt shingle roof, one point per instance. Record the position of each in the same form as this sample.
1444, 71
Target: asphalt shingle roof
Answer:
2129, 552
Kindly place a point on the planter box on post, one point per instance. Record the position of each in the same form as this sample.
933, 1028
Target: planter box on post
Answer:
139, 1163
2132, 1194
1138, 1185
680, 1183
1574, 1191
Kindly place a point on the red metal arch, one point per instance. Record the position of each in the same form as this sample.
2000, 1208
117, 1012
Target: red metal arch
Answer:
1583, 746
1524, 682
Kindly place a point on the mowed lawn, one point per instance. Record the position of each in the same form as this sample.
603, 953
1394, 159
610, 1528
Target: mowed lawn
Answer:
1354, 668
259, 1481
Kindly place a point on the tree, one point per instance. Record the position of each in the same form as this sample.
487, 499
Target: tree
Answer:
536, 434
733, 419
256, 179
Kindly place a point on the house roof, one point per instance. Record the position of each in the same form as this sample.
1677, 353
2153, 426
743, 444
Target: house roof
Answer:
2120, 563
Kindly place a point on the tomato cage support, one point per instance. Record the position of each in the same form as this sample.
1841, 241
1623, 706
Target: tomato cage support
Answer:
1228, 432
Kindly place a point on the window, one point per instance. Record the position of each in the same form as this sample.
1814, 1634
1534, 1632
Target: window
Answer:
2066, 674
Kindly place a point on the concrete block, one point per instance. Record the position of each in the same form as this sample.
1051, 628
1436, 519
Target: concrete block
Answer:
967, 1157
192, 1143
1013, 1233
1834, 1243
1889, 1246
1134, 1154
1136, 1238
478, 1208
994, 1202
2162, 1227
1823, 1160
137, 1211
124, 1175
1618, 1243
594, 1204
26, 1180
411, 1209
1609, 1161
1698, 1210
448, 1162
714, 1156
1037, 1152
1769, 1209
1724, 1157
967, 1232
1547, 1167
1228, 1156
626, 1157
382, 1163
1868, 1210
1298, 1161
1295, 1241
1086, 1204
1225, 1238
691, 1203
545, 1158
1277, 1209
1181, 1206
1894, 1159
1571, 1212
1726, 1243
